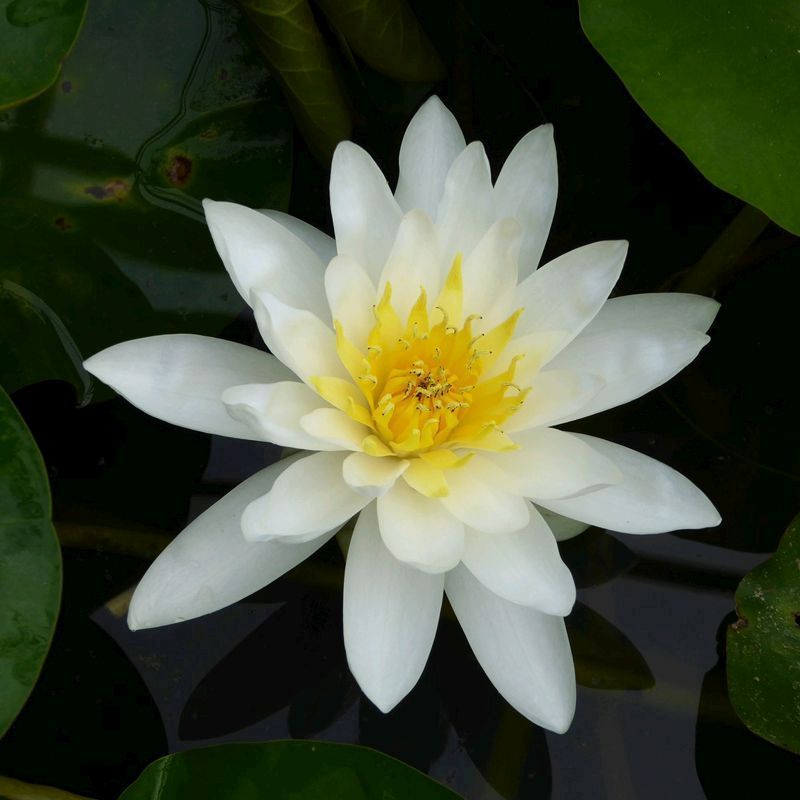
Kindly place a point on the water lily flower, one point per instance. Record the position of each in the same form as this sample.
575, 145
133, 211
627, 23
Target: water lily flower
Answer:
421, 362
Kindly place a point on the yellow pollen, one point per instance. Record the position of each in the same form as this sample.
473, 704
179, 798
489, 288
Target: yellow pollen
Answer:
426, 386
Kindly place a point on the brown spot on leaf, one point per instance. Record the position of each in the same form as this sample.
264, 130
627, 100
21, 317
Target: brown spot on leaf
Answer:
115, 189
740, 624
63, 223
179, 170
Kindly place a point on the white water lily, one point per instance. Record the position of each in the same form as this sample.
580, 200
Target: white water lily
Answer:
425, 360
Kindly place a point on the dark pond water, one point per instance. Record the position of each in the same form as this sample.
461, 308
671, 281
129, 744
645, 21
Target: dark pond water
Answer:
653, 718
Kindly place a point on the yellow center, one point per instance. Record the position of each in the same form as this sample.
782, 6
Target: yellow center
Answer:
427, 386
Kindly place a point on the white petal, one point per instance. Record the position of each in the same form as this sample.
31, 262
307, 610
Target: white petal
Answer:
553, 463
630, 361
430, 145
526, 189
209, 565
480, 498
525, 653
260, 253
653, 498
351, 296
467, 207
418, 530
372, 476
523, 567
414, 263
322, 244
273, 412
298, 338
690, 312
567, 292
365, 214
309, 498
335, 427
180, 378
555, 394
562, 528
391, 612
490, 271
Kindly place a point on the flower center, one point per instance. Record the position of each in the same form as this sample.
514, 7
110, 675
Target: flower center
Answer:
430, 382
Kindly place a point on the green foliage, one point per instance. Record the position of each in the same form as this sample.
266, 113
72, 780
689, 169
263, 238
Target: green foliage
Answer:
295, 769
43, 348
764, 646
101, 178
30, 563
35, 36
722, 80
386, 34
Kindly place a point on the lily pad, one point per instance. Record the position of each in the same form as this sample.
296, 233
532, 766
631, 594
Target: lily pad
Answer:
42, 347
30, 563
294, 769
722, 80
101, 178
764, 646
35, 36
387, 35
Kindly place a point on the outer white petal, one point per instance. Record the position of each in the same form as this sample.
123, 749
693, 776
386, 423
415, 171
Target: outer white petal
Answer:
467, 207
298, 338
553, 463
322, 244
630, 361
430, 145
418, 530
273, 412
480, 497
180, 378
365, 214
309, 498
526, 189
414, 263
210, 565
490, 272
260, 253
335, 427
653, 498
525, 653
690, 312
372, 476
566, 293
562, 528
351, 296
391, 612
555, 394
523, 567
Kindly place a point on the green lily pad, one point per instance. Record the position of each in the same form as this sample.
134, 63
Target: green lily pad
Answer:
387, 35
35, 37
291, 43
30, 563
101, 178
42, 347
295, 770
763, 646
722, 81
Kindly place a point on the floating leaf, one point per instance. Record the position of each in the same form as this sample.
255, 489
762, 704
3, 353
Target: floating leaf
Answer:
30, 563
35, 36
297, 770
387, 35
722, 81
101, 178
764, 646
42, 347
292, 44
